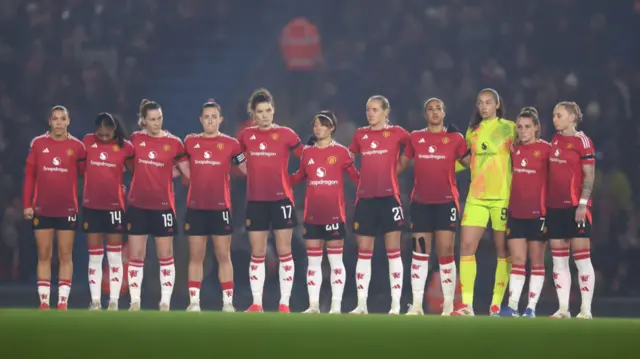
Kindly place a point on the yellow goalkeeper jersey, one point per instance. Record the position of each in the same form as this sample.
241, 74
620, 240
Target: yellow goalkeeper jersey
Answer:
490, 167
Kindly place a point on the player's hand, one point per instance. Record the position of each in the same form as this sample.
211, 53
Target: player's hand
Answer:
581, 215
28, 213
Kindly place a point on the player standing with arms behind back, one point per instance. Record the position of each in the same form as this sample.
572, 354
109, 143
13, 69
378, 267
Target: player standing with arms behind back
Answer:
434, 201
378, 207
571, 178
526, 222
150, 204
324, 163
269, 195
211, 154
50, 200
489, 137
103, 204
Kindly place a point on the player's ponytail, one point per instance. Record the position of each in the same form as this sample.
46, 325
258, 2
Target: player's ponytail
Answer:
107, 120
145, 106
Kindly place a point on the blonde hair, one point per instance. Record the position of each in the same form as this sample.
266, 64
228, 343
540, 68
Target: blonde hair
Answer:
573, 109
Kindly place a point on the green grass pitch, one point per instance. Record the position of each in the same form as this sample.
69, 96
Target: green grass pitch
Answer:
151, 334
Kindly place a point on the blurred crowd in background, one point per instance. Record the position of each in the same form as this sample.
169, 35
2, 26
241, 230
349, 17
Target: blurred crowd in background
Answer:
105, 55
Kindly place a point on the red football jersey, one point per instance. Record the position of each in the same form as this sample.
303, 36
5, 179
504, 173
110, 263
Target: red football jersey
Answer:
154, 158
379, 151
210, 160
103, 187
530, 167
324, 169
434, 169
267, 153
568, 154
51, 176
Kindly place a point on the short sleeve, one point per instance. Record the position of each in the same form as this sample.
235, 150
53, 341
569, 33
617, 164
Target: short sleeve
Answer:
180, 149
237, 156
403, 136
82, 151
348, 159
585, 149
462, 148
354, 147
129, 150
241, 143
409, 151
293, 139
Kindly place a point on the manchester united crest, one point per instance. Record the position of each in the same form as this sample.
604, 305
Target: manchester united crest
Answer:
116, 148
386, 134
69, 152
187, 226
220, 146
445, 140
332, 160
536, 154
508, 231
85, 225
36, 222
275, 136
128, 226
166, 148
356, 225
248, 222
570, 146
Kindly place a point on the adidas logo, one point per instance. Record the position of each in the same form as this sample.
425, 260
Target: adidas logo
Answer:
95, 145
365, 137
253, 137
310, 162
46, 150
421, 140
143, 144
197, 145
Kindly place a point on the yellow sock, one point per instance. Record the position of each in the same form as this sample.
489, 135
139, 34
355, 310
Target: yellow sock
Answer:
503, 271
468, 269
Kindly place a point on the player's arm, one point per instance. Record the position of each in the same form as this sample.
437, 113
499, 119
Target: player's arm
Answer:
588, 179
408, 152
29, 184
294, 142
300, 174
354, 147
181, 162
464, 161
240, 162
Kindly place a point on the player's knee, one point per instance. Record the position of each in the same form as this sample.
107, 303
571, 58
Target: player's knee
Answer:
223, 256
419, 245
65, 256
44, 255
445, 250
165, 252
197, 255
518, 258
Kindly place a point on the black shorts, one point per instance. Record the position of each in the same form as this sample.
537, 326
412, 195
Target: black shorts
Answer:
102, 221
263, 216
326, 232
202, 222
561, 224
155, 222
427, 218
531, 229
68, 223
378, 215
